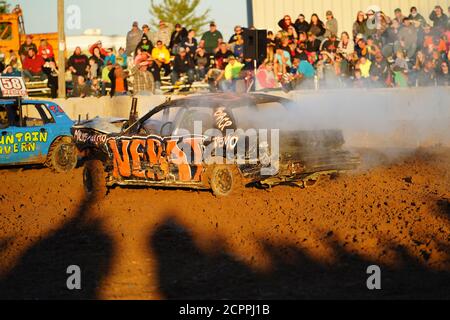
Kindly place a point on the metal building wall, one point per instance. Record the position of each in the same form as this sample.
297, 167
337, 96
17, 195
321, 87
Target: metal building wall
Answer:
267, 13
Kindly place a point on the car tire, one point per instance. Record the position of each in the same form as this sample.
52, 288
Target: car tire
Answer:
94, 179
225, 180
62, 156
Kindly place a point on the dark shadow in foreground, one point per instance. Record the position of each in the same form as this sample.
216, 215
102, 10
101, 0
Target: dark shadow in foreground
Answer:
185, 272
41, 273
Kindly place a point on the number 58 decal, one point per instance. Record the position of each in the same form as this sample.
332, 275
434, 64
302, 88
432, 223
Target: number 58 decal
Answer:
12, 87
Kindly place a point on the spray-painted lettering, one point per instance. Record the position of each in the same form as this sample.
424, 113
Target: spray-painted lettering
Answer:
21, 142
156, 158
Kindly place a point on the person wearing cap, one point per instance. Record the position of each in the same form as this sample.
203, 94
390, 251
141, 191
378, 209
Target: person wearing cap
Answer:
144, 82
177, 38
134, 36
212, 38
379, 71
146, 32
163, 33
162, 57
439, 18
238, 33
98, 45
183, 64
331, 26
331, 44
231, 74
26, 46
145, 45
301, 25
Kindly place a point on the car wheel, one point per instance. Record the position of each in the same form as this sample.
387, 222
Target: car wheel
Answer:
94, 179
62, 156
225, 180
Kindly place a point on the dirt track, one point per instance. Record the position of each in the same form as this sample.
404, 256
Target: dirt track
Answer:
285, 243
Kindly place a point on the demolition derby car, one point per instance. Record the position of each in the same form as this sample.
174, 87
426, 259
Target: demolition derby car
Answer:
214, 141
33, 132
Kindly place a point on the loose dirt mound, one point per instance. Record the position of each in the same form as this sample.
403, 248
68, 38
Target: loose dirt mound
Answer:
281, 243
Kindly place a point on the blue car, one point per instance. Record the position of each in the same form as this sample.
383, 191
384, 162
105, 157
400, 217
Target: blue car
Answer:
36, 132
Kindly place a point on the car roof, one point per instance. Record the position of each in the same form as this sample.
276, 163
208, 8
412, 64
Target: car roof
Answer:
231, 100
24, 101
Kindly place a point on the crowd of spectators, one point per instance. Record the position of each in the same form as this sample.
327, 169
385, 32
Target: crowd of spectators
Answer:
380, 51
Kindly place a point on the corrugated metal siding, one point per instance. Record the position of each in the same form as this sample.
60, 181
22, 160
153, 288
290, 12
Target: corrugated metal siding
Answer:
267, 13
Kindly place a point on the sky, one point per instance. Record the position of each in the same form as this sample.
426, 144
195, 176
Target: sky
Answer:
114, 17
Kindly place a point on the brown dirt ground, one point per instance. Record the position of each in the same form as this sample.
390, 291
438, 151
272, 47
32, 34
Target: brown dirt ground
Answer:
283, 243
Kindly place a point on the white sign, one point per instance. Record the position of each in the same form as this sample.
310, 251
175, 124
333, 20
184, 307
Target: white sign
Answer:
13, 87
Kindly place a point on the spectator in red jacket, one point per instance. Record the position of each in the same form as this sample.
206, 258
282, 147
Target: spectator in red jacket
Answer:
98, 45
33, 67
46, 50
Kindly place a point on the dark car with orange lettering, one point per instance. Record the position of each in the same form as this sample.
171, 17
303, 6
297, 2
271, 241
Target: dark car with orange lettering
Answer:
218, 142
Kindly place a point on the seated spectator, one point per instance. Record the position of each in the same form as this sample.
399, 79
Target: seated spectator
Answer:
144, 83
98, 45
122, 58
301, 25
427, 76
313, 44
78, 65
221, 57
145, 45
119, 83
14, 59
300, 52
285, 23
360, 25
331, 44
407, 39
292, 35
177, 38
82, 89
346, 46
33, 67
316, 26
11, 71
46, 51
331, 26
183, 64
439, 18
110, 56
191, 44
443, 76
106, 80
92, 70
238, 50
358, 80
99, 59
399, 17
155, 70
364, 65
51, 70
416, 18
361, 48
231, 74
238, 33
25, 47
201, 61
161, 55
379, 71
306, 69
283, 62
265, 77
